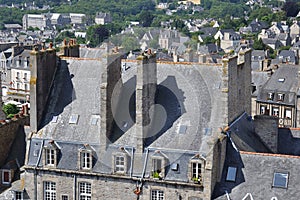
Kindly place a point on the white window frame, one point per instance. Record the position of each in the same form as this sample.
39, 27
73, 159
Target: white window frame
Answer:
275, 111
49, 190
86, 159
9, 176
120, 163
288, 113
263, 109
270, 96
64, 197
280, 96
196, 169
17, 197
84, 191
50, 156
157, 194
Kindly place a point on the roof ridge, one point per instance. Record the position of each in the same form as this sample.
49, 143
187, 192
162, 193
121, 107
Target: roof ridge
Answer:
269, 154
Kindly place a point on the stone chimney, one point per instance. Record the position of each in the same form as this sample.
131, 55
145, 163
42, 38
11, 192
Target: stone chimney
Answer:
145, 96
42, 69
71, 49
110, 85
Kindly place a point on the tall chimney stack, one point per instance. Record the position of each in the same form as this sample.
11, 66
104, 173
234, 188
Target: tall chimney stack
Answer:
145, 96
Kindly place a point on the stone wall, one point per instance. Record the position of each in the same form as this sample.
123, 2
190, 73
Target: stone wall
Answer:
8, 132
105, 187
237, 82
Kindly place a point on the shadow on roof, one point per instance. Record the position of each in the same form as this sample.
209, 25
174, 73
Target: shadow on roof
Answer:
287, 143
171, 98
228, 180
62, 93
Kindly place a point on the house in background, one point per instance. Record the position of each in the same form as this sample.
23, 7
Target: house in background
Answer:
229, 39
103, 18
279, 96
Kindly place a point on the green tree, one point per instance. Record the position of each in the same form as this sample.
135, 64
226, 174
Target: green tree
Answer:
10, 109
96, 34
259, 45
146, 18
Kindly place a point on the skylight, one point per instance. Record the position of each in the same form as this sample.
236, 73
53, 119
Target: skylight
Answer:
182, 129
231, 174
54, 119
280, 180
73, 119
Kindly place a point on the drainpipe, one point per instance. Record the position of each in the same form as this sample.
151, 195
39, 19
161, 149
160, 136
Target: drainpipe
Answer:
35, 172
131, 167
74, 187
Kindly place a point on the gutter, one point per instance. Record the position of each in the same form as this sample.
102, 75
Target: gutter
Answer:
35, 171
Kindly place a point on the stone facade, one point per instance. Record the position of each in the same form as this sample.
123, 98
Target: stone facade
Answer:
237, 83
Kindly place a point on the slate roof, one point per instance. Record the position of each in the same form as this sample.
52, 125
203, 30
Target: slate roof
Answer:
284, 80
189, 93
255, 173
287, 56
258, 80
243, 134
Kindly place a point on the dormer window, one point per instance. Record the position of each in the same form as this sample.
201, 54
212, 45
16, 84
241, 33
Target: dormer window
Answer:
50, 156
196, 169
119, 163
86, 160
158, 165
270, 96
280, 96
51, 151
86, 157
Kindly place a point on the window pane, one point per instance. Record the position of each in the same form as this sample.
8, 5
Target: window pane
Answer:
231, 174
280, 180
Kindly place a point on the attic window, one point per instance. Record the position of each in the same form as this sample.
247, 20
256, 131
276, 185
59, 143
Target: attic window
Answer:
280, 96
280, 180
281, 80
270, 96
73, 119
231, 174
